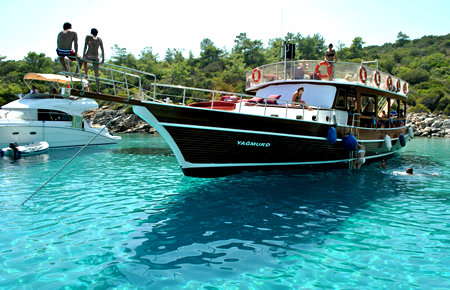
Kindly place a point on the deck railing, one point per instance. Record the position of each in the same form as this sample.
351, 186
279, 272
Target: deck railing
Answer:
358, 73
132, 83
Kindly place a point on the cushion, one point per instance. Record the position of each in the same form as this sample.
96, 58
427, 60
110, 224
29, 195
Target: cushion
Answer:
272, 99
256, 100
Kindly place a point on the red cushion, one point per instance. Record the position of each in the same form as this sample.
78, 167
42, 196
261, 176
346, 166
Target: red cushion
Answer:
276, 97
256, 100
272, 99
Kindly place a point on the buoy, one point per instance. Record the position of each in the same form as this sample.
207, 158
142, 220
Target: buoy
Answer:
402, 140
331, 135
411, 132
387, 141
349, 142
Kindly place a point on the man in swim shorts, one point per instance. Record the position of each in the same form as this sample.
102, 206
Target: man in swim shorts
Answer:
64, 46
90, 52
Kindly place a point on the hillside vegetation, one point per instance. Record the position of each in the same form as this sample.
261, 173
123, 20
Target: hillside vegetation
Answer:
423, 62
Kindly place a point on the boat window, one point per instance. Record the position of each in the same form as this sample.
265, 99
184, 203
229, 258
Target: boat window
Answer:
368, 105
52, 115
314, 95
341, 99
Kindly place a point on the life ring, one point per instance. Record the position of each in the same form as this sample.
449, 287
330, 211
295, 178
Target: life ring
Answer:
256, 75
377, 78
405, 88
398, 86
362, 74
389, 82
329, 69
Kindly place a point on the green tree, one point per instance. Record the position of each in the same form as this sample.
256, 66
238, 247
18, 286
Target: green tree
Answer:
250, 50
312, 47
38, 63
356, 48
402, 39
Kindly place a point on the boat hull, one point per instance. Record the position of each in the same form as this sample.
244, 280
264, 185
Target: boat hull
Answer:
211, 143
57, 135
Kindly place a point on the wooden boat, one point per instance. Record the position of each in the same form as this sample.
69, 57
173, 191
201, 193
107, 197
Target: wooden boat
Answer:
18, 151
264, 129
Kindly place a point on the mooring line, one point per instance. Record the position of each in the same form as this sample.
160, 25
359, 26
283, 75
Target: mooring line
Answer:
73, 157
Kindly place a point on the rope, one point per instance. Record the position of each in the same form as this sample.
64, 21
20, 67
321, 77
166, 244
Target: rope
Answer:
71, 159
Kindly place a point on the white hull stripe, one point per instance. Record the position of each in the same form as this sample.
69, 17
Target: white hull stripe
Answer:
215, 165
258, 132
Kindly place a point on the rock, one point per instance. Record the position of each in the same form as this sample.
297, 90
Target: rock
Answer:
446, 124
428, 121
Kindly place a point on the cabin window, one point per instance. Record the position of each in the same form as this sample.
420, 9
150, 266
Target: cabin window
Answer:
314, 95
53, 115
341, 99
368, 105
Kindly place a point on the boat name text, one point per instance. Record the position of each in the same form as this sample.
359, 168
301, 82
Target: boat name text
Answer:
255, 144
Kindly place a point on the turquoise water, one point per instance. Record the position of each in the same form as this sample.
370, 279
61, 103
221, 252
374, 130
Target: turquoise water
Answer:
124, 216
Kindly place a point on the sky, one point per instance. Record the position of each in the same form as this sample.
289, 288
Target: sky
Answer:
33, 25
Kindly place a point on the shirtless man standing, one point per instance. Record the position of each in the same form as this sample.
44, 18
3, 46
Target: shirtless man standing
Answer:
64, 42
90, 52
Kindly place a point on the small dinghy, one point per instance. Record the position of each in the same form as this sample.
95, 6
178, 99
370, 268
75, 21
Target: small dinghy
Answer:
17, 151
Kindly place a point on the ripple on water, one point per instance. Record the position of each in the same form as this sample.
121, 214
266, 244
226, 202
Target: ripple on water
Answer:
127, 217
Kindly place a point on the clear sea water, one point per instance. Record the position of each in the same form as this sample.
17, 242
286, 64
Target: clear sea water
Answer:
124, 216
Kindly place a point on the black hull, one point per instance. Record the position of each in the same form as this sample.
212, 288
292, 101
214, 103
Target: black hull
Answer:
211, 143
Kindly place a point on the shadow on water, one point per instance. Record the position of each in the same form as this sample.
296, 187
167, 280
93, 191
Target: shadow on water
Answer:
224, 220
145, 151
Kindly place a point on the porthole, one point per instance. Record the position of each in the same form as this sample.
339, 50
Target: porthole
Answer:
15, 133
32, 133
299, 117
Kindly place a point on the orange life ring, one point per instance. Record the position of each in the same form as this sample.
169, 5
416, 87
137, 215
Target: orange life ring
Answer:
405, 88
398, 85
389, 82
362, 74
329, 69
377, 78
256, 75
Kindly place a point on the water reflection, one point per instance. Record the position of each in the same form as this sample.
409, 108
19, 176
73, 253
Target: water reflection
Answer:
266, 212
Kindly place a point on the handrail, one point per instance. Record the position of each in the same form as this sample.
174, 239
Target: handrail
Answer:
130, 82
344, 72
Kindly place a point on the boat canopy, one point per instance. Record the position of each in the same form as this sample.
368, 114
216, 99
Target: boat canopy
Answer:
64, 80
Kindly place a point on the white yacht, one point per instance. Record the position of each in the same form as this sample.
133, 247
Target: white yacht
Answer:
53, 118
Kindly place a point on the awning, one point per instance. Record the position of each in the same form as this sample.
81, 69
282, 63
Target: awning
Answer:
51, 78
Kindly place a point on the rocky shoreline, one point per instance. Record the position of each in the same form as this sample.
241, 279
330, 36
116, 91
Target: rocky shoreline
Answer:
429, 125
423, 124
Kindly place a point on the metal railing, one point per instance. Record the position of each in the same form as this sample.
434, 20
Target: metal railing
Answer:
132, 83
359, 73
